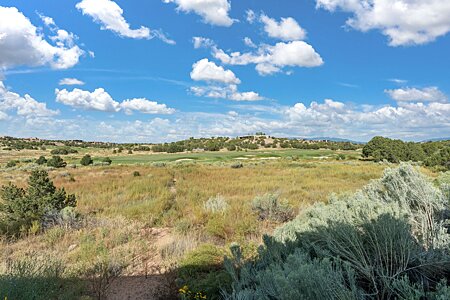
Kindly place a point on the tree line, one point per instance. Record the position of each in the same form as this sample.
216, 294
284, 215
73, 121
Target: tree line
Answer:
432, 154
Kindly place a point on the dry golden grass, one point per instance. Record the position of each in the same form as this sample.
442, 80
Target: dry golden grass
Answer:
174, 195
121, 208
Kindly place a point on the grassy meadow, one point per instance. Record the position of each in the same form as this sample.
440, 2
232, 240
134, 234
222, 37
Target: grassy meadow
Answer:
146, 212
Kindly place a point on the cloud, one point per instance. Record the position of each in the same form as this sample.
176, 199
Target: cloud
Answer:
250, 16
70, 81
287, 29
222, 83
24, 106
48, 21
110, 16
100, 100
404, 22
21, 43
398, 81
229, 92
249, 43
428, 94
145, 106
200, 42
214, 12
205, 70
406, 120
272, 59
3, 116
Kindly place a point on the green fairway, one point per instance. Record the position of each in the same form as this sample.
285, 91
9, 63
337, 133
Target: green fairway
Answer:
225, 156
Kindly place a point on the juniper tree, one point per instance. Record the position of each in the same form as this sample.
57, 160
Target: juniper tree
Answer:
21, 207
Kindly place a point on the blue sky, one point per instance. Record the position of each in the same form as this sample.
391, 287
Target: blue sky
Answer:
163, 70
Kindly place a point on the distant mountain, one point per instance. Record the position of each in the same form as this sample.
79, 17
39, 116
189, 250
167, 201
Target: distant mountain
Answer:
436, 140
333, 139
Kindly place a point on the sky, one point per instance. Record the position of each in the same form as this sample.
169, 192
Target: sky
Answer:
165, 70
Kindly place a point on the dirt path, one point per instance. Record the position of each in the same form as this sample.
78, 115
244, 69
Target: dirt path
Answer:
148, 279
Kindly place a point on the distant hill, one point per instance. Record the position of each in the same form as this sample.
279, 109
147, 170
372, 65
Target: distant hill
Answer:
333, 139
436, 140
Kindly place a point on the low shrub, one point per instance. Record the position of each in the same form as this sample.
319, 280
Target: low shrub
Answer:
40, 279
340, 157
56, 162
11, 164
159, 164
136, 174
107, 161
202, 271
63, 151
217, 204
269, 206
237, 165
101, 274
41, 160
387, 241
86, 160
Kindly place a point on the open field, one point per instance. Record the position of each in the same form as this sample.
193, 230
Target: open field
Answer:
158, 218
146, 157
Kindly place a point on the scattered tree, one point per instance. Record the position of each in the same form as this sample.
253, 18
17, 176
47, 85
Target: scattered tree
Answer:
20, 207
41, 160
56, 162
86, 160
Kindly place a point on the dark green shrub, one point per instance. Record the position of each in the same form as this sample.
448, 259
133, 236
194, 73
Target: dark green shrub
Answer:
56, 162
136, 174
11, 164
340, 157
86, 160
41, 160
106, 161
63, 151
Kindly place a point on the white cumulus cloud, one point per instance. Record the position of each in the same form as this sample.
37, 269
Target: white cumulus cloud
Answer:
404, 22
229, 92
248, 42
24, 106
110, 16
428, 94
70, 81
272, 59
99, 99
205, 70
145, 106
22, 43
214, 12
287, 29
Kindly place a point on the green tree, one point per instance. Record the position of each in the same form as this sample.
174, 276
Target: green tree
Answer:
20, 207
86, 160
41, 160
56, 162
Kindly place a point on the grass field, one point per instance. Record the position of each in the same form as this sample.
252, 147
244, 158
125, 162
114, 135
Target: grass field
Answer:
160, 215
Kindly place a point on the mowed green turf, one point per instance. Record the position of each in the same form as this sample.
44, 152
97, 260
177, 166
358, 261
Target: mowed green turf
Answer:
225, 156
